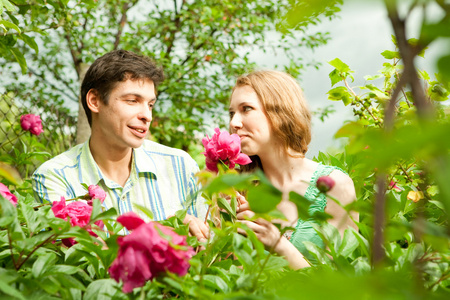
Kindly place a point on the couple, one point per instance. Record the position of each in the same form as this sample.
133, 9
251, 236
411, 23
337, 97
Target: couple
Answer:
268, 112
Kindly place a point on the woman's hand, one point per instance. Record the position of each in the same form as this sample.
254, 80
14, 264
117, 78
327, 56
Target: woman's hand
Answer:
266, 232
269, 235
197, 228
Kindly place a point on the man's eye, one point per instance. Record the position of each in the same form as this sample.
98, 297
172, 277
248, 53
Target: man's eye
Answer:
132, 100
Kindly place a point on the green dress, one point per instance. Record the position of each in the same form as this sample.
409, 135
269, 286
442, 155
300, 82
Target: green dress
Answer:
304, 230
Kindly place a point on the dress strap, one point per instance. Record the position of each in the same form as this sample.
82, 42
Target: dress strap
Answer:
312, 193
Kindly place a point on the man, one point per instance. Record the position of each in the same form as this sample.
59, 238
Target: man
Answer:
118, 94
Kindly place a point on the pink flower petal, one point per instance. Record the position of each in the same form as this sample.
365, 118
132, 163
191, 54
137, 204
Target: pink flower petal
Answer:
130, 220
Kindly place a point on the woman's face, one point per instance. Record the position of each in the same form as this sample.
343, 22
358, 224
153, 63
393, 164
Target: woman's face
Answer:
249, 121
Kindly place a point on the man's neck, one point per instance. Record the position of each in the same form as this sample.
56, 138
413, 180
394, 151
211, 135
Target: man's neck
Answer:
114, 163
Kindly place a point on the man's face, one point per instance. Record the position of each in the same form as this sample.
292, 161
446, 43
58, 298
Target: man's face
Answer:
124, 122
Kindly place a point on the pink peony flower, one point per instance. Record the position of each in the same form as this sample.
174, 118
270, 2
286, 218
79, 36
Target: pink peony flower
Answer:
79, 214
6, 193
223, 147
31, 123
96, 192
325, 183
150, 249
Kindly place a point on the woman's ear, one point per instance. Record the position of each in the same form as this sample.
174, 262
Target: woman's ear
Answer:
93, 100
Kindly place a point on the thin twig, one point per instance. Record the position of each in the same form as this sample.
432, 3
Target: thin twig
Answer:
37, 247
10, 248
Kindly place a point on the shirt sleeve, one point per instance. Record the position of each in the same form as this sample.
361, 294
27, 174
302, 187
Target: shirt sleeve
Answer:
48, 186
198, 208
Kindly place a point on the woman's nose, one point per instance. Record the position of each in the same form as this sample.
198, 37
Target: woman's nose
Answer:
235, 122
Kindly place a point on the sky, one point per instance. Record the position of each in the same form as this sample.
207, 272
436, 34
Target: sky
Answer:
358, 36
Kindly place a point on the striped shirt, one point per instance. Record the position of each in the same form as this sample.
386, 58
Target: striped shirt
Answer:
162, 179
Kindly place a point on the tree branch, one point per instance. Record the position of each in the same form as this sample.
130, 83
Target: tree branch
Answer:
54, 86
408, 52
123, 21
379, 216
76, 60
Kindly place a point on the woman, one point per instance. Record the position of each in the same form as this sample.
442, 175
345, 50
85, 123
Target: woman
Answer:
270, 115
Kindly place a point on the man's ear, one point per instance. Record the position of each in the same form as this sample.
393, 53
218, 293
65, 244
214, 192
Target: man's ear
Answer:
93, 100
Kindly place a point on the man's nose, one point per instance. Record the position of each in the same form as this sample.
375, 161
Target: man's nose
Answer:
146, 113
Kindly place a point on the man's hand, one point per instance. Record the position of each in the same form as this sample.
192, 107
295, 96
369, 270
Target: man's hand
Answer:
197, 228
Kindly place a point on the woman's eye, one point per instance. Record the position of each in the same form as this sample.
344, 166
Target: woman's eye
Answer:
231, 114
247, 108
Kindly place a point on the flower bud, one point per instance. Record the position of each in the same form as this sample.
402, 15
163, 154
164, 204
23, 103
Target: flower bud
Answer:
325, 183
31, 123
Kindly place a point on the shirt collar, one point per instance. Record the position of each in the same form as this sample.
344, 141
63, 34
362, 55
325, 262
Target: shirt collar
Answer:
143, 161
91, 173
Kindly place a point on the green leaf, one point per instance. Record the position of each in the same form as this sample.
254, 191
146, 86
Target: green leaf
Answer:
10, 25
216, 283
42, 264
276, 263
63, 269
109, 214
335, 77
339, 65
264, 197
8, 213
20, 59
363, 243
444, 68
302, 204
223, 203
10, 174
8, 5
102, 289
259, 247
390, 54
348, 244
145, 210
242, 251
8, 290
29, 215
350, 129
340, 93
96, 210
433, 190
438, 204
318, 253
225, 182
70, 282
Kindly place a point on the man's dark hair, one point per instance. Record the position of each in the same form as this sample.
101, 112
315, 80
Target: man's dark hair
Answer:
113, 67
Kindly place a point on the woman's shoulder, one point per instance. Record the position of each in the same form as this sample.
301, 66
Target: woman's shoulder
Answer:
343, 189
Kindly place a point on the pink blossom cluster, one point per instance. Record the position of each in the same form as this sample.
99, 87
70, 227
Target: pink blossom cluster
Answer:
6, 193
79, 213
95, 192
223, 147
151, 249
31, 123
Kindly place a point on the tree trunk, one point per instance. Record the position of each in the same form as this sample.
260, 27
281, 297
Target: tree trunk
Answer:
83, 128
